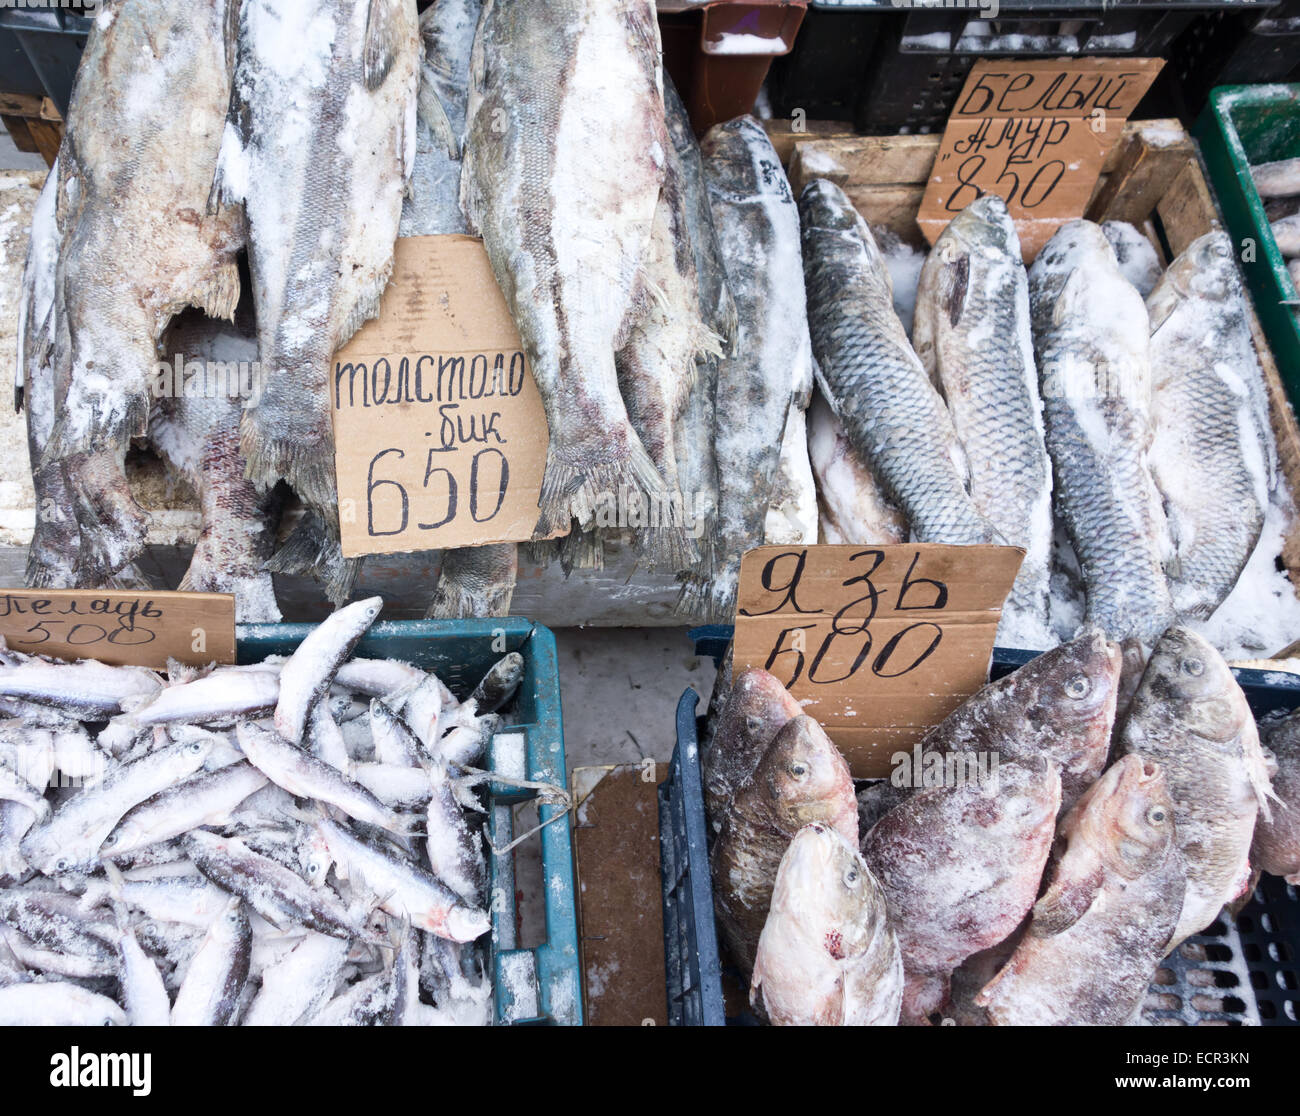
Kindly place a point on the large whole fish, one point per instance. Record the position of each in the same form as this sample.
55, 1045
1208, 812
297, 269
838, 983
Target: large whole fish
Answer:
827, 955
971, 331
1060, 705
1213, 456
138, 242
196, 429
960, 867
696, 451
891, 412
1102, 926
770, 364
800, 779
1190, 716
56, 540
564, 165
318, 148
1276, 847
854, 507
756, 709
657, 366
1091, 338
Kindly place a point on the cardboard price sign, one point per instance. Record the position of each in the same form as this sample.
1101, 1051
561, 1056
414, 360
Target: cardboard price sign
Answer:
439, 431
120, 628
878, 643
1036, 133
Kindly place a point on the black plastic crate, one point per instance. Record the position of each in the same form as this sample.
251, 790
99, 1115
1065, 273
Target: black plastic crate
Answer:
49, 43
1242, 974
891, 68
1237, 48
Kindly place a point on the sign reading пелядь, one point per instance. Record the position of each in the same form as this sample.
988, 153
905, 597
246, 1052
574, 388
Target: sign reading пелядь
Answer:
439, 430
122, 628
878, 643
1036, 133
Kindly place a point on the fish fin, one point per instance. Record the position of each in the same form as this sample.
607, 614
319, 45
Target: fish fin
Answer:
693, 596
461, 596
581, 550
1070, 301
381, 43
219, 296
1065, 902
311, 550
959, 289
435, 118
18, 398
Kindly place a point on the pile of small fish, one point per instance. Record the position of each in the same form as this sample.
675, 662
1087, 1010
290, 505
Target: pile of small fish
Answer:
1091, 392
1059, 835
1278, 186
296, 841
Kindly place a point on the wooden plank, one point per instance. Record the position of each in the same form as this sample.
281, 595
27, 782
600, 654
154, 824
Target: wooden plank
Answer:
1187, 208
892, 206
620, 897
28, 105
1142, 174
785, 133
47, 136
20, 134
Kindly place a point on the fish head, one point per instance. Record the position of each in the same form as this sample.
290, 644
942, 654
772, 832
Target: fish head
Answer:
739, 155
1205, 269
1069, 693
826, 887
805, 776
985, 226
1127, 816
757, 707
1187, 674
1019, 801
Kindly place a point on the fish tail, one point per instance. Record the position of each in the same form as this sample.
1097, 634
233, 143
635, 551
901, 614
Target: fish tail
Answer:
475, 581
111, 526
581, 550
312, 550
220, 295
307, 467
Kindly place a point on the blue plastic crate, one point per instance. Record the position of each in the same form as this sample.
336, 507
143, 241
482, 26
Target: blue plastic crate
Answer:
460, 652
1248, 973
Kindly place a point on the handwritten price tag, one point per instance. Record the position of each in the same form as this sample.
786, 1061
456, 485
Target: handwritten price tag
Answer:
121, 628
878, 643
440, 434
1036, 133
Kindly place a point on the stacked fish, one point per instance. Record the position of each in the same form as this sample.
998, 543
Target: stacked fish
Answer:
1092, 390
1278, 186
1057, 838
292, 842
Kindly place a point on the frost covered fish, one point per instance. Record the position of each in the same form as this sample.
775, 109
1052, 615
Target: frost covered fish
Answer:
1091, 337
696, 449
562, 179
1060, 705
138, 242
1286, 235
891, 412
1190, 716
769, 367
318, 148
476, 581
972, 334
56, 539
800, 779
827, 955
196, 429
57, 1004
1276, 846
756, 709
792, 515
86, 690
960, 867
1213, 455
1277, 179
209, 996
1135, 255
854, 507
1100, 929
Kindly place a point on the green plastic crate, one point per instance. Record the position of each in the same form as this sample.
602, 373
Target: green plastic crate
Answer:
539, 985
1245, 124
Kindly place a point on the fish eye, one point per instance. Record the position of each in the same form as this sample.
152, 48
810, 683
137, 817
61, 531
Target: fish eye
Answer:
62, 864
798, 770
1156, 815
1194, 667
194, 747
1078, 686
851, 878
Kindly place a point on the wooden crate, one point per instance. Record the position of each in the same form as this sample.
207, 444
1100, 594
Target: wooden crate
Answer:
34, 124
1152, 178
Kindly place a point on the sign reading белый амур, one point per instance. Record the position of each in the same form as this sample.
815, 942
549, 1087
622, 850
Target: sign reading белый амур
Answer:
1035, 132
439, 430
878, 643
